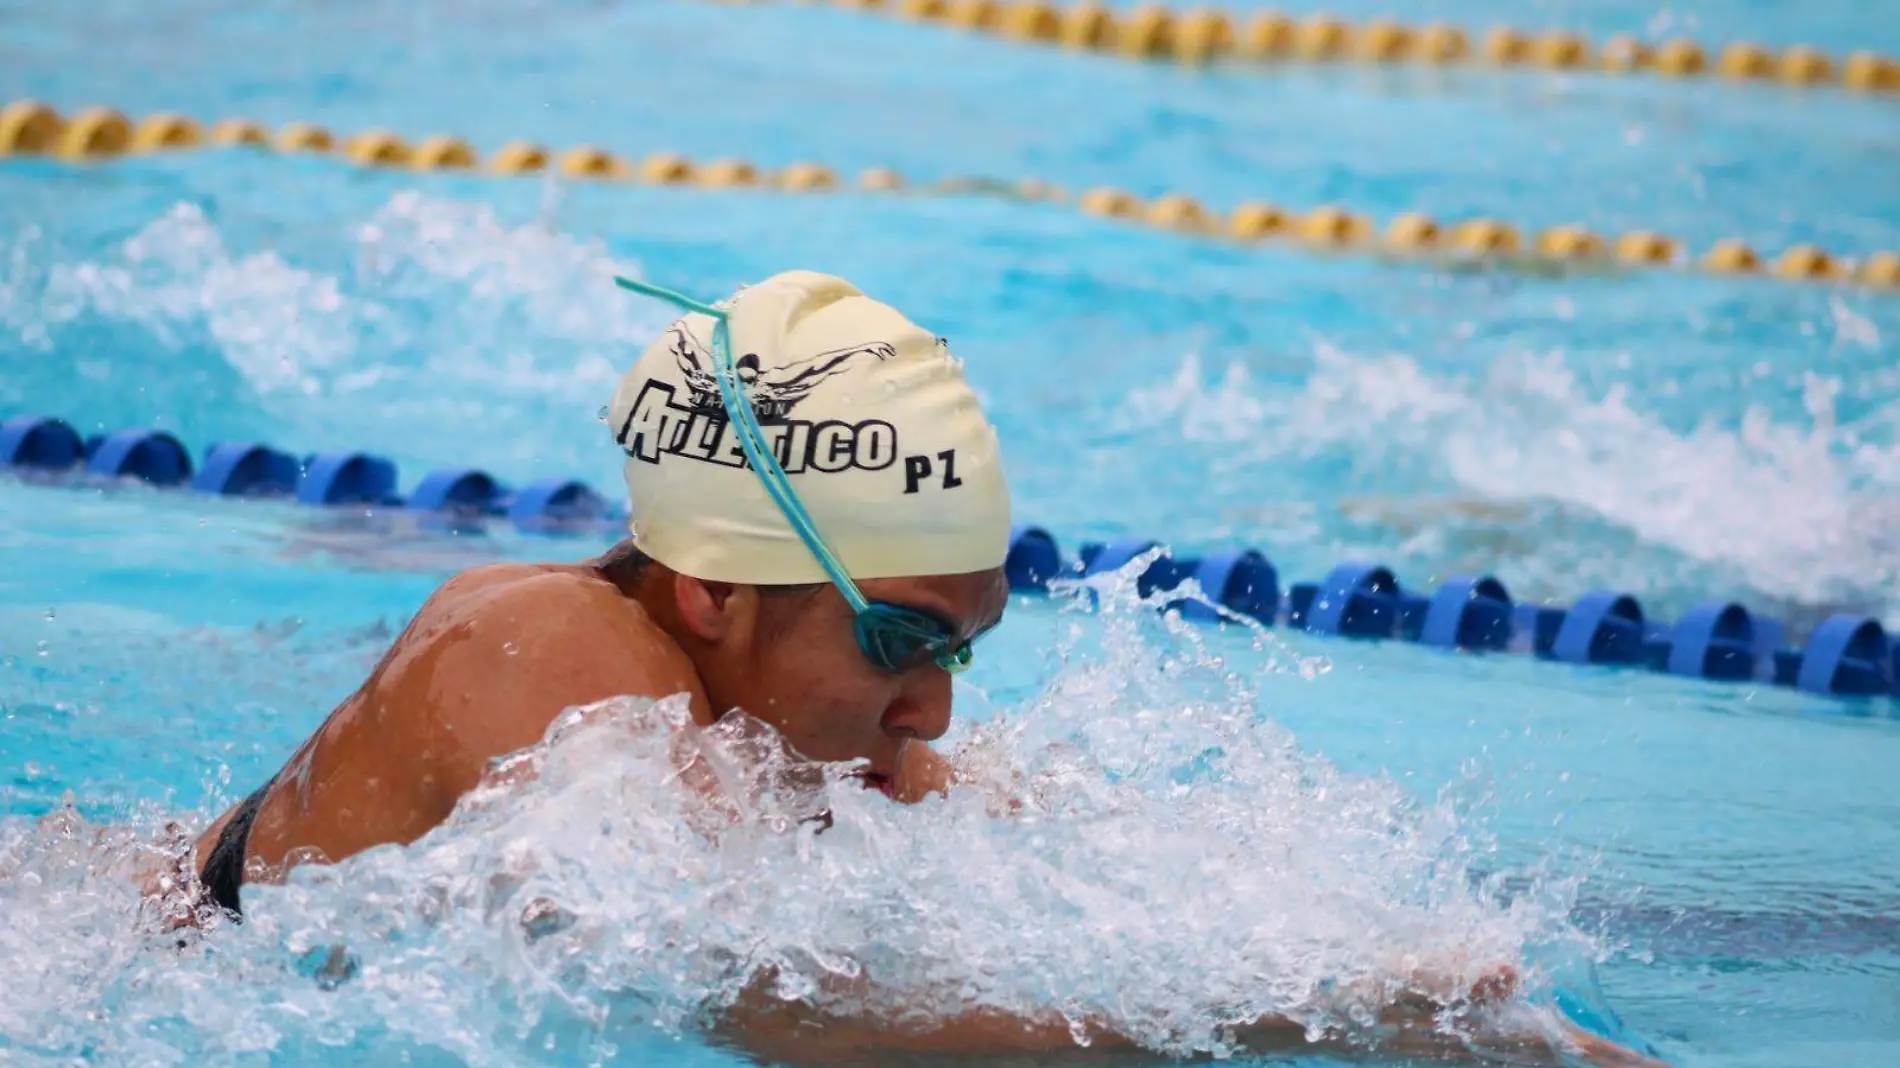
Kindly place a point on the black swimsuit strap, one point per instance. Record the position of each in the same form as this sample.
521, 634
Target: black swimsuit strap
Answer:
223, 870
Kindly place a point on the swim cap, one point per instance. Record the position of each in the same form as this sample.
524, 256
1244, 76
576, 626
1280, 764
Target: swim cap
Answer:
880, 435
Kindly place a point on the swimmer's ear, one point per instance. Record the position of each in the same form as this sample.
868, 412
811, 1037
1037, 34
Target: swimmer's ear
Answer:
715, 611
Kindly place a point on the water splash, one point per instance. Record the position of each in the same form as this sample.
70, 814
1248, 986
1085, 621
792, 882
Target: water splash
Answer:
1136, 846
438, 315
525, 292
281, 327
1802, 513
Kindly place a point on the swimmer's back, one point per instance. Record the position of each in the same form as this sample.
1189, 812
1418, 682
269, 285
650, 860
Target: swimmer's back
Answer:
486, 665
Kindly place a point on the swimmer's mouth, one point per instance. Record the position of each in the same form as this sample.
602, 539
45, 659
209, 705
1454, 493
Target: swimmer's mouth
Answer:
876, 780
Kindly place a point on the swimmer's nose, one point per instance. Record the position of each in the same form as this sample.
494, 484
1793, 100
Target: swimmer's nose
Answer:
922, 708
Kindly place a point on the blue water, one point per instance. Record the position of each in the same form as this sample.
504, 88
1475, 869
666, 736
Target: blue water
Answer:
1723, 856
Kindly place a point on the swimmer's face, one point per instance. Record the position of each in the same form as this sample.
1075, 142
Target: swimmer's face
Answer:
797, 666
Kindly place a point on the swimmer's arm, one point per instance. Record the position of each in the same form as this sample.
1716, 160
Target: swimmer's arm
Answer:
797, 1035
792, 1032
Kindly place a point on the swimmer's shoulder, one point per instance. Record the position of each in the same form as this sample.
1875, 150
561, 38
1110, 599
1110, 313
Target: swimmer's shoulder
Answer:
487, 664
551, 622
502, 649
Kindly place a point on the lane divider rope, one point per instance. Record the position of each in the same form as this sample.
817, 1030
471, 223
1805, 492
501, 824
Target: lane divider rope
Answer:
29, 128
1201, 35
97, 134
1847, 655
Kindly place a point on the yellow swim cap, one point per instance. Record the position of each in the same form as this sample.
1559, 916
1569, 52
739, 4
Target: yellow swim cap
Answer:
871, 417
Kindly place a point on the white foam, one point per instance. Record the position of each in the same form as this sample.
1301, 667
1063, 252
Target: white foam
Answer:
537, 301
1138, 846
1805, 512
444, 316
280, 326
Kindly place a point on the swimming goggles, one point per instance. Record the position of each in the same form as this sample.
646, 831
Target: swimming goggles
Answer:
892, 636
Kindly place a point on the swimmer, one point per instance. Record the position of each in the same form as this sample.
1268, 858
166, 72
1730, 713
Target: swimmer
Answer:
819, 525
835, 612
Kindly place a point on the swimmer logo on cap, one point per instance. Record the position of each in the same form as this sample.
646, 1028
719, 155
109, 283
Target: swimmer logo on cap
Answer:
868, 413
772, 394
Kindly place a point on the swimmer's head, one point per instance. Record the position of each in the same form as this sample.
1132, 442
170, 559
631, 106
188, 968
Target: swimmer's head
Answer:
870, 415
885, 445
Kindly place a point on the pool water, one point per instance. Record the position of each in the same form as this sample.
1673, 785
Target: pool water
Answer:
1224, 820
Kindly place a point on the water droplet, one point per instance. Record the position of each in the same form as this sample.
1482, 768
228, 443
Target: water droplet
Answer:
32, 770
510, 648
42, 647
51, 614
602, 414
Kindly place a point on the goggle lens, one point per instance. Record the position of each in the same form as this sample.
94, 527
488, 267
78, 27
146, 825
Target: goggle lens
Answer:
899, 639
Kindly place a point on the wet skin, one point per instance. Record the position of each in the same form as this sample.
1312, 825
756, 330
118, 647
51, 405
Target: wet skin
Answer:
499, 651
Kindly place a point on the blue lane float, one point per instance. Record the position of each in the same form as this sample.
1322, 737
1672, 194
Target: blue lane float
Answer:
1355, 600
1846, 656
148, 455
1603, 627
247, 470
342, 478
34, 442
1712, 641
1468, 612
461, 491
1033, 559
1242, 582
553, 504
